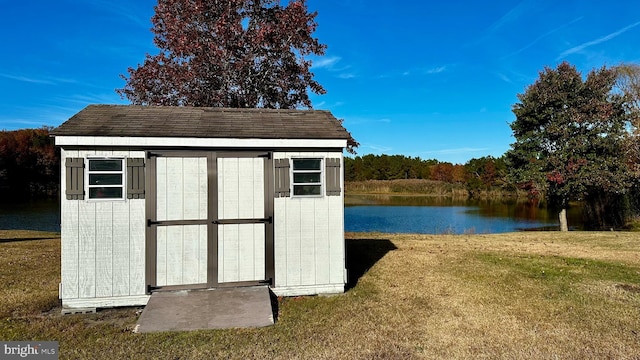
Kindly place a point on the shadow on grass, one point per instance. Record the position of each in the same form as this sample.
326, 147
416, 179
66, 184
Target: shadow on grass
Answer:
362, 254
27, 239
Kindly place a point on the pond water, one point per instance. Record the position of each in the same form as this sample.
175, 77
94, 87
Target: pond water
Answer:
365, 213
41, 215
429, 215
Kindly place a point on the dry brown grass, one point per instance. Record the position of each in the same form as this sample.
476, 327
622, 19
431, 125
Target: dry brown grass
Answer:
508, 296
408, 187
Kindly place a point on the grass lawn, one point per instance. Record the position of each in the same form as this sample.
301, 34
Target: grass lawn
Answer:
539, 295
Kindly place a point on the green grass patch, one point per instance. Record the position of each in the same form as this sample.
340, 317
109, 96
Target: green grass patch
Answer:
562, 269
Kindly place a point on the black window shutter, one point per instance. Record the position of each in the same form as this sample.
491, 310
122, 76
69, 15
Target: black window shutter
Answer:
75, 178
135, 178
333, 177
282, 181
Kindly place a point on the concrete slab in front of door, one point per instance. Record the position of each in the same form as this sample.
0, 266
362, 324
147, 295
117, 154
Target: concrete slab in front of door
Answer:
225, 308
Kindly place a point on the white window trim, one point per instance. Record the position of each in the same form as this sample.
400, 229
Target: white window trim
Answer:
322, 176
88, 172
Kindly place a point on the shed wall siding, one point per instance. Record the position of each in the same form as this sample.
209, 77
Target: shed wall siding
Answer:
102, 242
309, 239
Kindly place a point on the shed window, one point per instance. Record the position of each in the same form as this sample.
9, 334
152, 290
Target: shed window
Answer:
307, 177
105, 179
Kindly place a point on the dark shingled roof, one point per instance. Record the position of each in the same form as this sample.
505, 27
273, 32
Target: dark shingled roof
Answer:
179, 121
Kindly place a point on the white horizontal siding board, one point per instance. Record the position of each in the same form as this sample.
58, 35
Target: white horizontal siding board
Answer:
137, 231
137, 300
103, 152
308, 290
199, 142
70, 236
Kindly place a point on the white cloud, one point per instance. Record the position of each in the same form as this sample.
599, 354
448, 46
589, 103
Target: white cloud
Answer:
94, 98
27, 79
379, 149
346, 76
45, 80
511, 16
605, 38
325, 62
128, 12
437, 70
548, 33
504, 78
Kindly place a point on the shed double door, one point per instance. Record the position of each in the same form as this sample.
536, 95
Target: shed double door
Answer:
209, 219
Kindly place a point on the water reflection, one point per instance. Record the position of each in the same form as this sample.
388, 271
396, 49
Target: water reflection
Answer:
41, 215
437, 215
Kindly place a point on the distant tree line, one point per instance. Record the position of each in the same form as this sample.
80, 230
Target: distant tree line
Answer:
478, 175
29, 164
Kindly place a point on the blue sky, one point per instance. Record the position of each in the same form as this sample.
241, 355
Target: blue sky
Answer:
433, 79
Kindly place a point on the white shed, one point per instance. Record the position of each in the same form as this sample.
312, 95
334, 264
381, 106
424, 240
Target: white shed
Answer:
187, 198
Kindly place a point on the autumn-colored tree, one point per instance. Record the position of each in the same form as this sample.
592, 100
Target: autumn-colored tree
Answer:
569, 134
484, 174
232, 53
387, 167
442, 172
628, 83
29, 164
